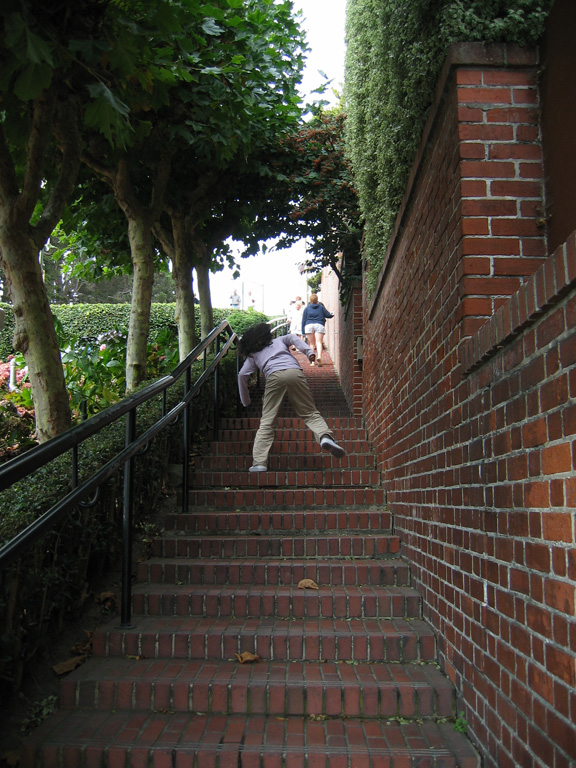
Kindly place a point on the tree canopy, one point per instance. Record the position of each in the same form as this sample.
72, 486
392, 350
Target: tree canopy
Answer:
127, 87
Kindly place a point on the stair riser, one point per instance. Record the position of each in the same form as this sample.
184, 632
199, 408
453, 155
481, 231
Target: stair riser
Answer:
376, 574
187, 740
274, 498
303, 446
257, 546
263, 698
268, 523
298, 434
392, 647
314, 462
305, 606
333, 478
290, 422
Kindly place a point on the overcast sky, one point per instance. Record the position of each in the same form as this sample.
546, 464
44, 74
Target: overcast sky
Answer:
273, 280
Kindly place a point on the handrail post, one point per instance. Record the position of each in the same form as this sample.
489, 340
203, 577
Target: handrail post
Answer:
216, 392
186, 444
127, 520
238, 401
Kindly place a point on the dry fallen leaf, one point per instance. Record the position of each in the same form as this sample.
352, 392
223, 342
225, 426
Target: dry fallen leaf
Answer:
307, 584
246, 656
107, 599
84, 647
69, 664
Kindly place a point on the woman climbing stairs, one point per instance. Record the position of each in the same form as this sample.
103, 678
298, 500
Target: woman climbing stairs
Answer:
275, 625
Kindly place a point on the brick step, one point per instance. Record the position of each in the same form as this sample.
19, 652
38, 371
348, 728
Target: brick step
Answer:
284, 602
287, 422
284, 498
289, 521
240, 462
291, 446
334, 478
296, 434
385, 640
338, 546
267, 688
392, 573
330, 408
327, 395
106, 740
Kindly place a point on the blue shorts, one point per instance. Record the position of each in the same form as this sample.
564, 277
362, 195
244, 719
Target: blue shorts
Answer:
314, 328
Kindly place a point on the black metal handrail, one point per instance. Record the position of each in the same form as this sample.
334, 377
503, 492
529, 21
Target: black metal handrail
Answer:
221, 338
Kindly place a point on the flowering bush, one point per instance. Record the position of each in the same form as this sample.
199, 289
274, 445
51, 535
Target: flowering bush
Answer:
95, 376
17, 424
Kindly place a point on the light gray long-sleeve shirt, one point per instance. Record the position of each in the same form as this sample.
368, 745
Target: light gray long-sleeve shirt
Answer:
275, 357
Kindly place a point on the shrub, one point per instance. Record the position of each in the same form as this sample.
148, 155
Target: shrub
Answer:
394, 56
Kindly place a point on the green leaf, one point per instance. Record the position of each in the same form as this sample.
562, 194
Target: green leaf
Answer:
107, 114
211, 28
38, 50
211, 71
90, 50
15, 31
34, 79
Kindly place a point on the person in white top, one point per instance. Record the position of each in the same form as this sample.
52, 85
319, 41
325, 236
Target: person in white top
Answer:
295, 316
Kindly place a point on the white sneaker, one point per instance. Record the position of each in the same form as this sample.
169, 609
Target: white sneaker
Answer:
327, 444
258, 468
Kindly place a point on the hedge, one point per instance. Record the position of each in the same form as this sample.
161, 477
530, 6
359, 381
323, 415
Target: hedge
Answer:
395, 53
86, 322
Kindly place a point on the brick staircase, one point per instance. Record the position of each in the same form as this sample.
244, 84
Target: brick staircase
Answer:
347, 675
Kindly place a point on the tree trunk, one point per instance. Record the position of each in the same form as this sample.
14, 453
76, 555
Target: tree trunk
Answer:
21, 241
203, 281
142, 252
141, 220
34, 333
184, 282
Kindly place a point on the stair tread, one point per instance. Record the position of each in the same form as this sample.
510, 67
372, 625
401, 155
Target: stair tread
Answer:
279, 545
332, 566
296, 673
272, 687
389, 571
291, 498
275, 601
267, 625
287, 478
326, 518
278, 536
229, 737
290, 589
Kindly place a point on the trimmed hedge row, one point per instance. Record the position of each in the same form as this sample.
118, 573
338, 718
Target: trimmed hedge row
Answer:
86, 322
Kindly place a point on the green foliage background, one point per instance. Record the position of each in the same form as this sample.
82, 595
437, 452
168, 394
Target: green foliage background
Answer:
396, 49
86, 322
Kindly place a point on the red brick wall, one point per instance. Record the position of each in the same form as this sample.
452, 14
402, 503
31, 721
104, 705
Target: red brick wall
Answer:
470, 399
342, 335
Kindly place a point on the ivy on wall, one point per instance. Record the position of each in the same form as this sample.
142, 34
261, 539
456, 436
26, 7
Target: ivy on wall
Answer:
395, 52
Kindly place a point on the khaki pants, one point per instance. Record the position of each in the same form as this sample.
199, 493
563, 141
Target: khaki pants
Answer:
291, 382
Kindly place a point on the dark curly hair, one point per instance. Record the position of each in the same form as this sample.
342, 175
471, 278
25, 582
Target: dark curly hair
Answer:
255, 339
